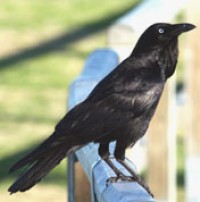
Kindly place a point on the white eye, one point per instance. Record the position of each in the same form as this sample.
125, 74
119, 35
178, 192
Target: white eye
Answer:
161, 30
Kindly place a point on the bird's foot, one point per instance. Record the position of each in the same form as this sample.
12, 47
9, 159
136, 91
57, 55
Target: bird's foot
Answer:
123, 178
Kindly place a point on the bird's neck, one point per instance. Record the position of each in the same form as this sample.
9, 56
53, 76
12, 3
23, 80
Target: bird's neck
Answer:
167, 58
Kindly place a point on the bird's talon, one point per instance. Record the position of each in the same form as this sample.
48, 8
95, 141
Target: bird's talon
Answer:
111, 180
119, 178
126, 178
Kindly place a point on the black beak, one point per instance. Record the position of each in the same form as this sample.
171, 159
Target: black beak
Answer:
181, 28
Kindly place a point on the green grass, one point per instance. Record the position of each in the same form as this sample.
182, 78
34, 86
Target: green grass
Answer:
35, 72
35, 78
25, 15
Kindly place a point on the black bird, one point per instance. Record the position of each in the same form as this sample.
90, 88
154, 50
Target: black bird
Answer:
119, 108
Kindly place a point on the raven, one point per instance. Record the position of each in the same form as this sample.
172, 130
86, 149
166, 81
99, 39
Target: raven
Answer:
118, 109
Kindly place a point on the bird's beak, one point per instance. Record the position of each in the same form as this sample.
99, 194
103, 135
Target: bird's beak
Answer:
180, 28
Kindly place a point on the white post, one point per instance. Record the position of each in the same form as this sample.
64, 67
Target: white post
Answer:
193, 112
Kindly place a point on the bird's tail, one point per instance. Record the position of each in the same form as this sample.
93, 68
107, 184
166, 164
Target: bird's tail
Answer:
39, 163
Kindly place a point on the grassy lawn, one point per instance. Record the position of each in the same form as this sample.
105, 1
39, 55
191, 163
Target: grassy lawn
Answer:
43, 47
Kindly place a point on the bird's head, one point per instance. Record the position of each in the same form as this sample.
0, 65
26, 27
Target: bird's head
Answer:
160, 35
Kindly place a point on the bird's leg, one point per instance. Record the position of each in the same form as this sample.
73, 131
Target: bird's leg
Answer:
104, 153
120, 175
120, 157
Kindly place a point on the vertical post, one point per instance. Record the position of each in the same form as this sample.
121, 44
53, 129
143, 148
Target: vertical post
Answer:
162, 147
70, 174
78, 186
157, 139
82, 185
193, 83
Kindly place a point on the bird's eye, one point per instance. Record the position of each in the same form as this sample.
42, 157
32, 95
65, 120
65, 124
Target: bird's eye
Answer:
161, 30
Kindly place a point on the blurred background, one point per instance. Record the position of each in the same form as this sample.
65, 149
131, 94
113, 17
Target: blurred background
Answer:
43, 45
43, 48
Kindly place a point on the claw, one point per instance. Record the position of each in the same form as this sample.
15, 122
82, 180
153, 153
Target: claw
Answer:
120, 178
111, 180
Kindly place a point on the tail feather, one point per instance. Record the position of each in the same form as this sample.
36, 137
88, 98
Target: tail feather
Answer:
41, 150
37, 170
42, 160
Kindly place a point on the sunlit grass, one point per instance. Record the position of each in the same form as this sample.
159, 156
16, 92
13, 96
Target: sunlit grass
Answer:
33, 93
23, 14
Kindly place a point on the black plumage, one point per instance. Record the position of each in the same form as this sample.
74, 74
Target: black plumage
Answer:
119, 108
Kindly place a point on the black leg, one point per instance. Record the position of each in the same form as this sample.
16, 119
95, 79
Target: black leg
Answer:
120, 175
104, 153
104, 150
